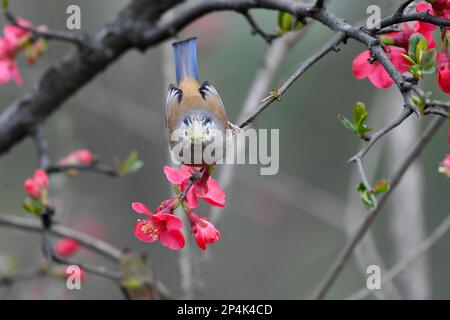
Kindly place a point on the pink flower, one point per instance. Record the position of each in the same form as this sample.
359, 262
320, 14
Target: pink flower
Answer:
8, 66
445, 166
424, 26
161, 226
14, 34
66, 247
83, 157
206, 188
376, 73
443, 70
203, 230
401, 38
37, 186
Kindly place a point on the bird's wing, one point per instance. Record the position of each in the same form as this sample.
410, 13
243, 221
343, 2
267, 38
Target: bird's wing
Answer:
208, 91
173, 97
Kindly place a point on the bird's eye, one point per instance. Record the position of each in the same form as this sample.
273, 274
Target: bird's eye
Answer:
186, 121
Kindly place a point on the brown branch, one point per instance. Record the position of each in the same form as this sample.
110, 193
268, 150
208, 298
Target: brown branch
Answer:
346, 252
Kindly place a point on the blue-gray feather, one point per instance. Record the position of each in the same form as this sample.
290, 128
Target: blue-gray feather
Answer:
185, 54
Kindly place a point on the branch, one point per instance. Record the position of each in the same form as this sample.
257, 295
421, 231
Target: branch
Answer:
331, 45
95, 167
319, 5
403, 6
373, 138
256, 29
41, 144
69, 37
346, 252
426, 245
423, 16
77, 68
91, 243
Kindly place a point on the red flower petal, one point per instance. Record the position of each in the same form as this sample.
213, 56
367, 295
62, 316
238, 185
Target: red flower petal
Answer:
41, 178
141, 208
380, 78
174, 175
173, 239
361, 67
215, 195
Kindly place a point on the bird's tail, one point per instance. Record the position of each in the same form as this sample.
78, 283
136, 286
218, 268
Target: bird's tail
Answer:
185, 54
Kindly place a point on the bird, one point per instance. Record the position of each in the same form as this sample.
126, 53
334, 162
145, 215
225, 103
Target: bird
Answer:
194, 112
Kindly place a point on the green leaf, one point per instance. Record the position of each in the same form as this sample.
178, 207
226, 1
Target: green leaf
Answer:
409, 59
368, 199
381, 186
287, 22
421, 48
358, 126
130, 165
359, 115
5, 5
428, 60
412, 45
346, 123
32, 206
135, 166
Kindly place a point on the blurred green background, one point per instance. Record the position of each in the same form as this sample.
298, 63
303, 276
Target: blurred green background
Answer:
280, 233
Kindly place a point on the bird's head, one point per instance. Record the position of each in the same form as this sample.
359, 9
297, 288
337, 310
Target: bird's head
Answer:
199, 127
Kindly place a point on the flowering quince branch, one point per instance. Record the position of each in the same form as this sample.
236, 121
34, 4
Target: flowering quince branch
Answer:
163, 225
146, 30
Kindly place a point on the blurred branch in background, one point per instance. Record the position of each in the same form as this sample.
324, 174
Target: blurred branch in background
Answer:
367, 252
413, 256
406, 220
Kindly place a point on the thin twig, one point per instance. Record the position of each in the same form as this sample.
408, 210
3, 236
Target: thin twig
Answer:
331, 45
346, 252
69, 37
373, 138
256, 29
95, 167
